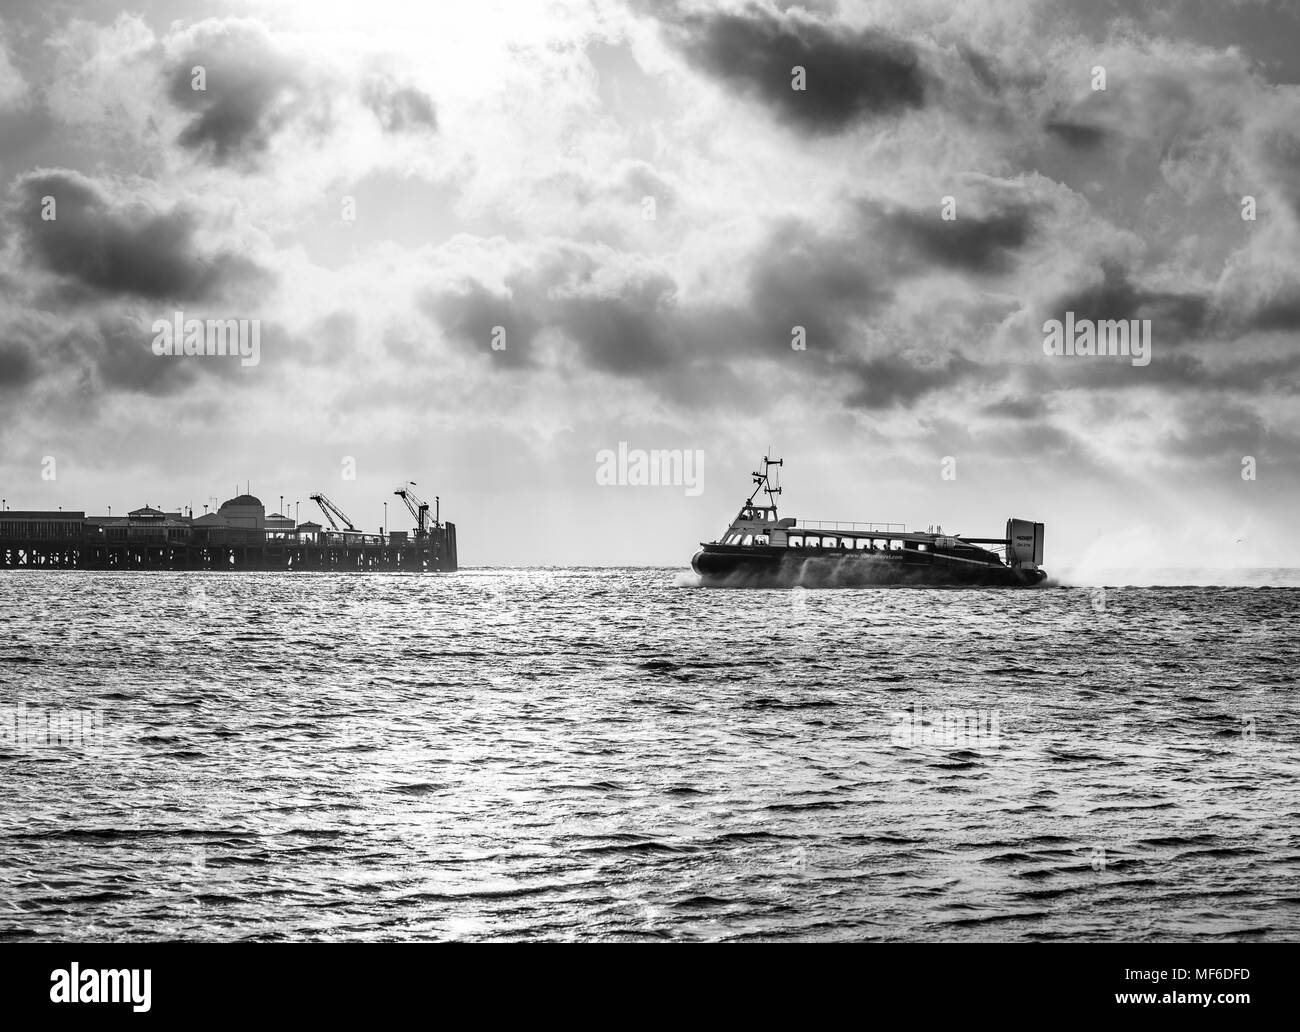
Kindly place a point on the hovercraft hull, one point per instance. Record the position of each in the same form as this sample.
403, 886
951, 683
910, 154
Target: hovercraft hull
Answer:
751, 566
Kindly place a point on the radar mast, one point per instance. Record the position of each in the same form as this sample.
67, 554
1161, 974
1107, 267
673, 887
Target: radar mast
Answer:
763, 482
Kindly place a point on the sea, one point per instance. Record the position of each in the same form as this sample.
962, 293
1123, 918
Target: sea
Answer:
617, 754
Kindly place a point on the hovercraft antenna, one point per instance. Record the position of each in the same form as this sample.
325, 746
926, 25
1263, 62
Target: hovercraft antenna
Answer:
763, 482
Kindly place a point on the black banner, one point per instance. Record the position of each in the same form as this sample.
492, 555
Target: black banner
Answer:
163, 983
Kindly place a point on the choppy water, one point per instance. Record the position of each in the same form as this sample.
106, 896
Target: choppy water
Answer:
612, 753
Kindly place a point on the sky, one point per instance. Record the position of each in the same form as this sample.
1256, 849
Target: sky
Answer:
484, 243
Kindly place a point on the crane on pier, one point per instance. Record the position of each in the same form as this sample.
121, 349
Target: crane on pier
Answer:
331, 511
419, 509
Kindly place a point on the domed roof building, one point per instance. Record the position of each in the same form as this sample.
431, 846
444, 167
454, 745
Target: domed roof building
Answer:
243, 510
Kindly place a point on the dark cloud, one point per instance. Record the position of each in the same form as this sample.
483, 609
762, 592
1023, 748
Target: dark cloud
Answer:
1175, 317
23, 130
113, 353
838, 285
624, 334
1280, 158
1213, 373
106, 250
17, 366
1281, 312
1180, 317
469, 317
627, 329
972, 243
1255, 375
850, 73
1213, 428
399, 108
832, 284
824, 283
119, 348
1017, 408
1076, 134
1264, 31
982, 68
82, 358
891, 380
251, 91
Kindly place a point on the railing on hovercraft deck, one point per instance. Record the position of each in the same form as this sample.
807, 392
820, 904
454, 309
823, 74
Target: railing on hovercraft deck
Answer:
836, 525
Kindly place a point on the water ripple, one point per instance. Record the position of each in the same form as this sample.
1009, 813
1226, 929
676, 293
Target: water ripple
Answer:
540, 754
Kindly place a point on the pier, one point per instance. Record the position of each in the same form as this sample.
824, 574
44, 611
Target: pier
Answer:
239, 536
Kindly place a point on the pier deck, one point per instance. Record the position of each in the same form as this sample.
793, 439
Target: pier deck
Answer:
227, 550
